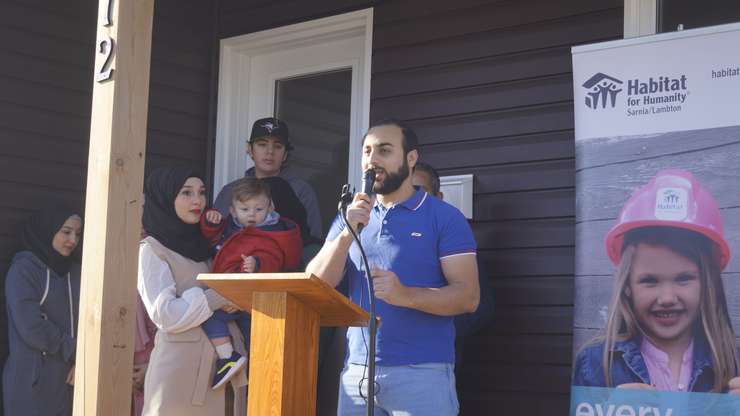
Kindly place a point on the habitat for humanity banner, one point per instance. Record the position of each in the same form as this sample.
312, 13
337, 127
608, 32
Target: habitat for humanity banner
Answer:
657, 305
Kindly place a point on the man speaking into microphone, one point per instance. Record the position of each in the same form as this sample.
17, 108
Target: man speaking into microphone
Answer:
421, 254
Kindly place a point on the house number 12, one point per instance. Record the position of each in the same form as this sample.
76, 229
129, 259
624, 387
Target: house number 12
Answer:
105, 46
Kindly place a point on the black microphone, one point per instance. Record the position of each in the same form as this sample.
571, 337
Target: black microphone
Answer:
368, 179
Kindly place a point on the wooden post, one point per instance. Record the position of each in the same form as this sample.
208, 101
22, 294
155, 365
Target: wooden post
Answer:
113, 208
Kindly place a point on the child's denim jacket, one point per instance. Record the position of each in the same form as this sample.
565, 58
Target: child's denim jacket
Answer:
629, 367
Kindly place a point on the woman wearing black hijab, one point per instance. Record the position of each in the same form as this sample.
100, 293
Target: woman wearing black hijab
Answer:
41, 293
170, 258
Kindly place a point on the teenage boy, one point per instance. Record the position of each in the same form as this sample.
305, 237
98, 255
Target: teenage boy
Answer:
422, 258
269, 146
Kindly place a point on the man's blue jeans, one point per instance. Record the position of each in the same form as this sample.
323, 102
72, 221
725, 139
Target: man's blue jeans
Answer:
406, 390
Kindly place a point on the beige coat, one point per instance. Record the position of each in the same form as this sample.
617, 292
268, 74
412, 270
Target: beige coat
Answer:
181, 367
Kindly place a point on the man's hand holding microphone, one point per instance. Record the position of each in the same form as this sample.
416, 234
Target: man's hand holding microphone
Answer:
358, 212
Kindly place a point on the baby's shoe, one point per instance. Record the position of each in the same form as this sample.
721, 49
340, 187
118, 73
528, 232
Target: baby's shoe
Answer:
226, 368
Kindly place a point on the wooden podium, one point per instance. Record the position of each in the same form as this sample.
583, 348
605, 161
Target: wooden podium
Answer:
287, 311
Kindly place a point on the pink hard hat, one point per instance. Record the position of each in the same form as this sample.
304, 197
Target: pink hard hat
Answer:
672, 198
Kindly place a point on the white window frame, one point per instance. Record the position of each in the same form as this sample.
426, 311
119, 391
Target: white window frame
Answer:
236, 53
640, 18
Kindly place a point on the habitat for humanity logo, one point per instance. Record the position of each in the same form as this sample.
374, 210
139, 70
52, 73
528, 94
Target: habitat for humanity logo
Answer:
602, 89
643, 96
656, 95
670, 204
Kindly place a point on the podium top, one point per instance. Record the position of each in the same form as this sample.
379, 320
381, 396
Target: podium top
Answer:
333, 307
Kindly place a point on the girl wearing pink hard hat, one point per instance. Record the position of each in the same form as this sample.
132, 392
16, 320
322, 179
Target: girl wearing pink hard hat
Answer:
668, 326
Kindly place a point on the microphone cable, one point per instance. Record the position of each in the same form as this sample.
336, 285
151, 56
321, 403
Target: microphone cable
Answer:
346, 199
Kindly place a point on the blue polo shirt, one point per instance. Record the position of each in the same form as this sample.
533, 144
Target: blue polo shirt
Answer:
409, 238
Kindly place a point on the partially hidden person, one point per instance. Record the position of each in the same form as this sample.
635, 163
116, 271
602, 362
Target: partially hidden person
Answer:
42, 290
668, 325
143, 346
466, 324
182, 363
253, 238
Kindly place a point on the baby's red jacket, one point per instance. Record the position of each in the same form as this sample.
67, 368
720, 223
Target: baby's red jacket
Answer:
277, 250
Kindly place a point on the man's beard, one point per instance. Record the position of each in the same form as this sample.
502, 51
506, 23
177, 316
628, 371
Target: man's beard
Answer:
393, 180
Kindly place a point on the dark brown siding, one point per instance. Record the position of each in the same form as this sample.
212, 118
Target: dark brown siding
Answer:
237, 17
487, 86
47, 55
46, 52
182, 71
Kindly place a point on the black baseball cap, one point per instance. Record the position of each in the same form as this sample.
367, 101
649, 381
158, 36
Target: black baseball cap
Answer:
271, 127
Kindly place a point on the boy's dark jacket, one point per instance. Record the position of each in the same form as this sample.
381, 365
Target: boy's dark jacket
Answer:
277, 250
629, 366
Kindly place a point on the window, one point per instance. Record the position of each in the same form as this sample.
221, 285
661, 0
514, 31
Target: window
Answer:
688, 14
647, 17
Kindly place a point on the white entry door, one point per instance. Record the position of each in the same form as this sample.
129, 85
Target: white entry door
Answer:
313, 75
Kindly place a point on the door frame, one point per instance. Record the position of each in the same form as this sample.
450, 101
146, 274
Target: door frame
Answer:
234, 89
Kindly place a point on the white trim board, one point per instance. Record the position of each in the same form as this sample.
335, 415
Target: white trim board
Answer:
241, 102
640, 18
458, 191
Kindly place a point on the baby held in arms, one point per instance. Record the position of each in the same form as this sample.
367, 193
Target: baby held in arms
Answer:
253, 238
